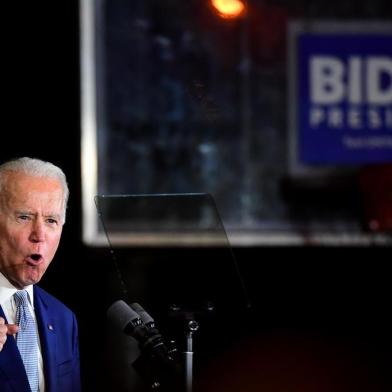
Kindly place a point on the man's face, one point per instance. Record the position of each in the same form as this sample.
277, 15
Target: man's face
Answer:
31, 223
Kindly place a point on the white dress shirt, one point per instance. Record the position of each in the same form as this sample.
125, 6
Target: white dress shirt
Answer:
7, 302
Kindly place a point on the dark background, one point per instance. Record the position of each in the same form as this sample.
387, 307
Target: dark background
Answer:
321, 316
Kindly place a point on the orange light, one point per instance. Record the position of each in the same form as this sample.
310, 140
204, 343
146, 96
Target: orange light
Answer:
229, 8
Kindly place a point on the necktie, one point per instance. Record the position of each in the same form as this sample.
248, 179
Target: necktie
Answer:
27, 338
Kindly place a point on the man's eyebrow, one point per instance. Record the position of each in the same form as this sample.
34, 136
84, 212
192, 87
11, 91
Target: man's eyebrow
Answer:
49, 215
52, 215
24, 212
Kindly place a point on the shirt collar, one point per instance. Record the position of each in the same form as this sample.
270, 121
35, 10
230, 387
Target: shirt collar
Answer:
7, 290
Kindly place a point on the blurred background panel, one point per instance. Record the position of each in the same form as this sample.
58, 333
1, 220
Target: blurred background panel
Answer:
186, 97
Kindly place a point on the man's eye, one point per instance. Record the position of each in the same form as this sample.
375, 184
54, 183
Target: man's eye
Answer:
51, 221
24, 217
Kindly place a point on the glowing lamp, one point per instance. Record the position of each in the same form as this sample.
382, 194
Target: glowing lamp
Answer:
229, 9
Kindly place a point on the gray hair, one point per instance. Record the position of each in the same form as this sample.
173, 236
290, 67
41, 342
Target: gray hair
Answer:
36, 168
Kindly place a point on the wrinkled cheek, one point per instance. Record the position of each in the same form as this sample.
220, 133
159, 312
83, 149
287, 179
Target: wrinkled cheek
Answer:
50, 257
14, 249
3, 249
54, 246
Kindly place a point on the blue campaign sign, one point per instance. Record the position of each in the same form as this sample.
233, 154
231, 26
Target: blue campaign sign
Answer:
344, 97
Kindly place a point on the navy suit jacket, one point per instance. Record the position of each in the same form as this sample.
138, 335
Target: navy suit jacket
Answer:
59, 345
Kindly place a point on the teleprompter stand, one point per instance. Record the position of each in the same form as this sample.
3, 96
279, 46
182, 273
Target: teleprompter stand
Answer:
185, 278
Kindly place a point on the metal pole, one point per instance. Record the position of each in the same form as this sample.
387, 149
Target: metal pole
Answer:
192, 327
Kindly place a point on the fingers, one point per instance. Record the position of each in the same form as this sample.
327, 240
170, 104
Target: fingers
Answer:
6, 329
3, 333
12, 329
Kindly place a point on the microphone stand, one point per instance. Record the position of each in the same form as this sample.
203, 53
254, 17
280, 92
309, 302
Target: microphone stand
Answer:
192, 327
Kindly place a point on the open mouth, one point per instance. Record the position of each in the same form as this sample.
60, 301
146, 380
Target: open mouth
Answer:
35, 258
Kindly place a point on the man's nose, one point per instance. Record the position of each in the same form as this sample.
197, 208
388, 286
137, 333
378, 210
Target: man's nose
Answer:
38, 232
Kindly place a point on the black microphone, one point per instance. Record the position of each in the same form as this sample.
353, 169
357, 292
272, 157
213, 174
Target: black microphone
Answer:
127, 320
145, 317
156, 363
154, 342
137, 323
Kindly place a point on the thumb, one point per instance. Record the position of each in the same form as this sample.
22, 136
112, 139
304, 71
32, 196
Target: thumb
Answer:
12, 329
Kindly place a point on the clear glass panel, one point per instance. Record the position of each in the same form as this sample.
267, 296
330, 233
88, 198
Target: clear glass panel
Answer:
215, 280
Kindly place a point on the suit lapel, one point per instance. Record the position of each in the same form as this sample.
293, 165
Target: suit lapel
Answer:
11, 364
47, 331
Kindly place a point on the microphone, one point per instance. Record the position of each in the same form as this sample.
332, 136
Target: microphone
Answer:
155, 339
145, 317
156, 363
136, 322
154, 342
127, 320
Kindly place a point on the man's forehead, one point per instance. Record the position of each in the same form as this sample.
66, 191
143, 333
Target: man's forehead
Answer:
22, 177
29, 194
19, 183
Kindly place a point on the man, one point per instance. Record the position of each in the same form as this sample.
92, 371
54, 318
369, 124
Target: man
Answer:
42, 353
